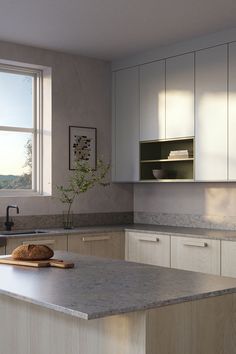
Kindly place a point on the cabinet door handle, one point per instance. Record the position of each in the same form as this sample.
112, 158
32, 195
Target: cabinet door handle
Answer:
39, 242
156, 239
196, 244
95, 238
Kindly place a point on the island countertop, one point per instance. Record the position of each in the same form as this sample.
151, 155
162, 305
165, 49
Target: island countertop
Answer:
99, 287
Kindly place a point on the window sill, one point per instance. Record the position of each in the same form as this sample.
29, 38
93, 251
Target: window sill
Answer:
21, 193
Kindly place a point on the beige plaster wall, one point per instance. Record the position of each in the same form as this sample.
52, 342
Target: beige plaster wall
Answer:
81, 95
215, 201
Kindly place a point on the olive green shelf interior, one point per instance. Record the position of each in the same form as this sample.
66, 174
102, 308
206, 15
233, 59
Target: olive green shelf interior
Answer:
154, 155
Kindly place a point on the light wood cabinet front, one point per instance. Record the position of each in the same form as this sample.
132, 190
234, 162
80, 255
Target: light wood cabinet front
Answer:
57, 243
195, 254
228, 258
108, 245
148, 248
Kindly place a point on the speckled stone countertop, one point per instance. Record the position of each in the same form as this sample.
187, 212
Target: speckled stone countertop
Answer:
159, 229
61, 231
98, 287
184, 231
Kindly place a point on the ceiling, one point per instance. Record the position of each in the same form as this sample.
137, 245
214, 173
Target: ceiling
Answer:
111, 29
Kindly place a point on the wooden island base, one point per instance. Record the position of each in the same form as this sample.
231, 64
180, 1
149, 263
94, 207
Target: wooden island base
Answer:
206, 326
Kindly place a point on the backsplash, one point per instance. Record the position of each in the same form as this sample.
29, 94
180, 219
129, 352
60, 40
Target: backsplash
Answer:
55, 221
186, 220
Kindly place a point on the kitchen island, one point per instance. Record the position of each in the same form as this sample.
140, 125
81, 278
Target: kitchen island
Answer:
105, 306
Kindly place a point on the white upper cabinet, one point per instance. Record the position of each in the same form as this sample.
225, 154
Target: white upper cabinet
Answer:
211, 114
180, 96
126, 125
232, 112
152, 101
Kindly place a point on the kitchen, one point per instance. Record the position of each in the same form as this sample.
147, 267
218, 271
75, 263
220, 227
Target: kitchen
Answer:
142, 103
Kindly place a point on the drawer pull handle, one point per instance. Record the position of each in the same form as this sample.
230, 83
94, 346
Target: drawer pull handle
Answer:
95, 238
196, 244
156, 239
39, 242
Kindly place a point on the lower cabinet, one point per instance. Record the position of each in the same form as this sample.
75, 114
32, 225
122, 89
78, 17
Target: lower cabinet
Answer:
108, 245
187, 253
195, 254
148, 248
228, 258
56, 242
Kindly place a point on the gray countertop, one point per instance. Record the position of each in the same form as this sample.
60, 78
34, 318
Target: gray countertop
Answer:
161, 229
185, 231
99, 287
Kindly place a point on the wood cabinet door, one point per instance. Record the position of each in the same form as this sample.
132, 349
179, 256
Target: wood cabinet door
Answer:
180, 96
107, 245
126, 123
148, 248
57, 243
228, 258
232, 112
152, 101
211, 114
196, 254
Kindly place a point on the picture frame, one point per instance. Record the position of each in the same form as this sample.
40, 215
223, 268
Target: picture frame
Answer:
82, 146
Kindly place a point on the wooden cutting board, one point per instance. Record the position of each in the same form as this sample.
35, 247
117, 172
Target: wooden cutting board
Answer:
58, 263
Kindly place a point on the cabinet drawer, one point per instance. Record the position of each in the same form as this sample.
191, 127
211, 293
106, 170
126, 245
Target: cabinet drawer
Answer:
56, 243
228, 258
108, 245
196, 254
148, 248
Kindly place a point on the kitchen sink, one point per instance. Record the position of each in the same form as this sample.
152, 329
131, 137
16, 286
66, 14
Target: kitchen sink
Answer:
22, 232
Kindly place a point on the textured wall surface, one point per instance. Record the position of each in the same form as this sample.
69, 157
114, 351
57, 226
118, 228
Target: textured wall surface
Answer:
81, 94
186, 204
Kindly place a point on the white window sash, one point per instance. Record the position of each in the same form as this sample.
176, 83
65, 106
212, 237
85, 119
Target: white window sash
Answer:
36, 130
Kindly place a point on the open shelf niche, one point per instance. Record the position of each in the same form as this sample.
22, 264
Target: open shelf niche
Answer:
154, 156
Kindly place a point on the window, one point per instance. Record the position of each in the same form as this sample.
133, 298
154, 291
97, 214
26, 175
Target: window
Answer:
21, 130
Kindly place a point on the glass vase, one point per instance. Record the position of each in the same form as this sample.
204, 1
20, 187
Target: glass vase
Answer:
68, 220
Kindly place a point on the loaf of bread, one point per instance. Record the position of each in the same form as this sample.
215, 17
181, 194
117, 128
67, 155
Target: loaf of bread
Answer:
32, 253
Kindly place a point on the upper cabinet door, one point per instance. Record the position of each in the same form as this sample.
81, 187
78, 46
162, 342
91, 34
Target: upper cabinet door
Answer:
232, 112
126, 123
211, 114
180, 96
152, 101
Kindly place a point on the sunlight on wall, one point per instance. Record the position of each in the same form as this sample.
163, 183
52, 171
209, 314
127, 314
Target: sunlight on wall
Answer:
220, 200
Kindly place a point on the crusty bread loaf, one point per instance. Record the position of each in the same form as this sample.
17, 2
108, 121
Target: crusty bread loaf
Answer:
32, 253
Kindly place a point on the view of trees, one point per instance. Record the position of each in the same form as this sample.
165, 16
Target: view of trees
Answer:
25, 180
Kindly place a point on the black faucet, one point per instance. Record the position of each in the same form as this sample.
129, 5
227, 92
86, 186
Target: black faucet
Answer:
9, 223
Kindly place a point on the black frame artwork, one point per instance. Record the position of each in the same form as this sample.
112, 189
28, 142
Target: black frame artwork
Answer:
82, 146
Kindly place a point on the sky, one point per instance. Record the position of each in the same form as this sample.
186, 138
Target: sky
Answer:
16, 109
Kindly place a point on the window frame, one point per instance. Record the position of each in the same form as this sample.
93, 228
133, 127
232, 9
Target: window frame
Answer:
36, 130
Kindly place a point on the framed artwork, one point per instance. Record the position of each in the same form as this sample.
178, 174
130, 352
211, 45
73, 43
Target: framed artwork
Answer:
82, 146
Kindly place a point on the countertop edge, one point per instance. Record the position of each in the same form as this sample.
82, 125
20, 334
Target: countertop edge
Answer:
104, 314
